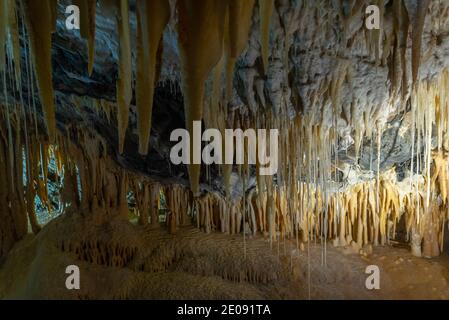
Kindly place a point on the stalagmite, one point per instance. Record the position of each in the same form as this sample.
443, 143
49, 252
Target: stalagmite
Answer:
40, 27
431, 227
152, 17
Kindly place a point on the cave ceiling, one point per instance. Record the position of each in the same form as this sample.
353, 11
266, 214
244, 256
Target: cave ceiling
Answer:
323, 66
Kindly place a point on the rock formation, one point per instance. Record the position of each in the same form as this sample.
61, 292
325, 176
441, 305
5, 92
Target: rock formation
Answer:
86, 117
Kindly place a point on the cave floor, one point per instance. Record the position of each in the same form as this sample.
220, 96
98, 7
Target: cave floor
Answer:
402, 276
196, 265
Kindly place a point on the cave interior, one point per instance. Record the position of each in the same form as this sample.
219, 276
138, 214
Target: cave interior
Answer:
92, 91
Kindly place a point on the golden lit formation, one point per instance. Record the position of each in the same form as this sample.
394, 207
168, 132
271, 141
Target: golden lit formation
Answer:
238, 64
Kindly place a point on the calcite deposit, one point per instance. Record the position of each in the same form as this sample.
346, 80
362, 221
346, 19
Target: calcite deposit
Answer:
85, 123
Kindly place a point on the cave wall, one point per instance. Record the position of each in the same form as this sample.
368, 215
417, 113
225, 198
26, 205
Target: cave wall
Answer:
106, 99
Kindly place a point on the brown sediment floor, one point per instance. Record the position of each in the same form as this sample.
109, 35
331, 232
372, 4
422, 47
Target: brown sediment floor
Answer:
402, 276
121, 260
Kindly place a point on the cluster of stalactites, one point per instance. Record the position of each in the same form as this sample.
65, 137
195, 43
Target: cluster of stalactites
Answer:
146, 197
363, 214
210, 39
86, 178
13, 206
202, 33
211, 35
388, 45
179, 206
24, 172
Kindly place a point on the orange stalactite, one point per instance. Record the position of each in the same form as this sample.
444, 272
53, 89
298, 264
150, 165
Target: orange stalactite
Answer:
200, 29
152, 17
40, 27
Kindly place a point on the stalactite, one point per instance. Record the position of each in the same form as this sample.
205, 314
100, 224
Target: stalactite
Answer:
152, 17
239, 25
54, 14
300, 202
375, 37
142, 198
124, 85
31, 191
401, 28
13, 213
40, 27
87, 28
240, 18
418, 28
154, 204
3, 34
13, 30
178, 201
265, 12
200, 29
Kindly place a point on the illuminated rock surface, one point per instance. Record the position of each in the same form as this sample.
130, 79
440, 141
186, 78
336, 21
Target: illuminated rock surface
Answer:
85, 124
